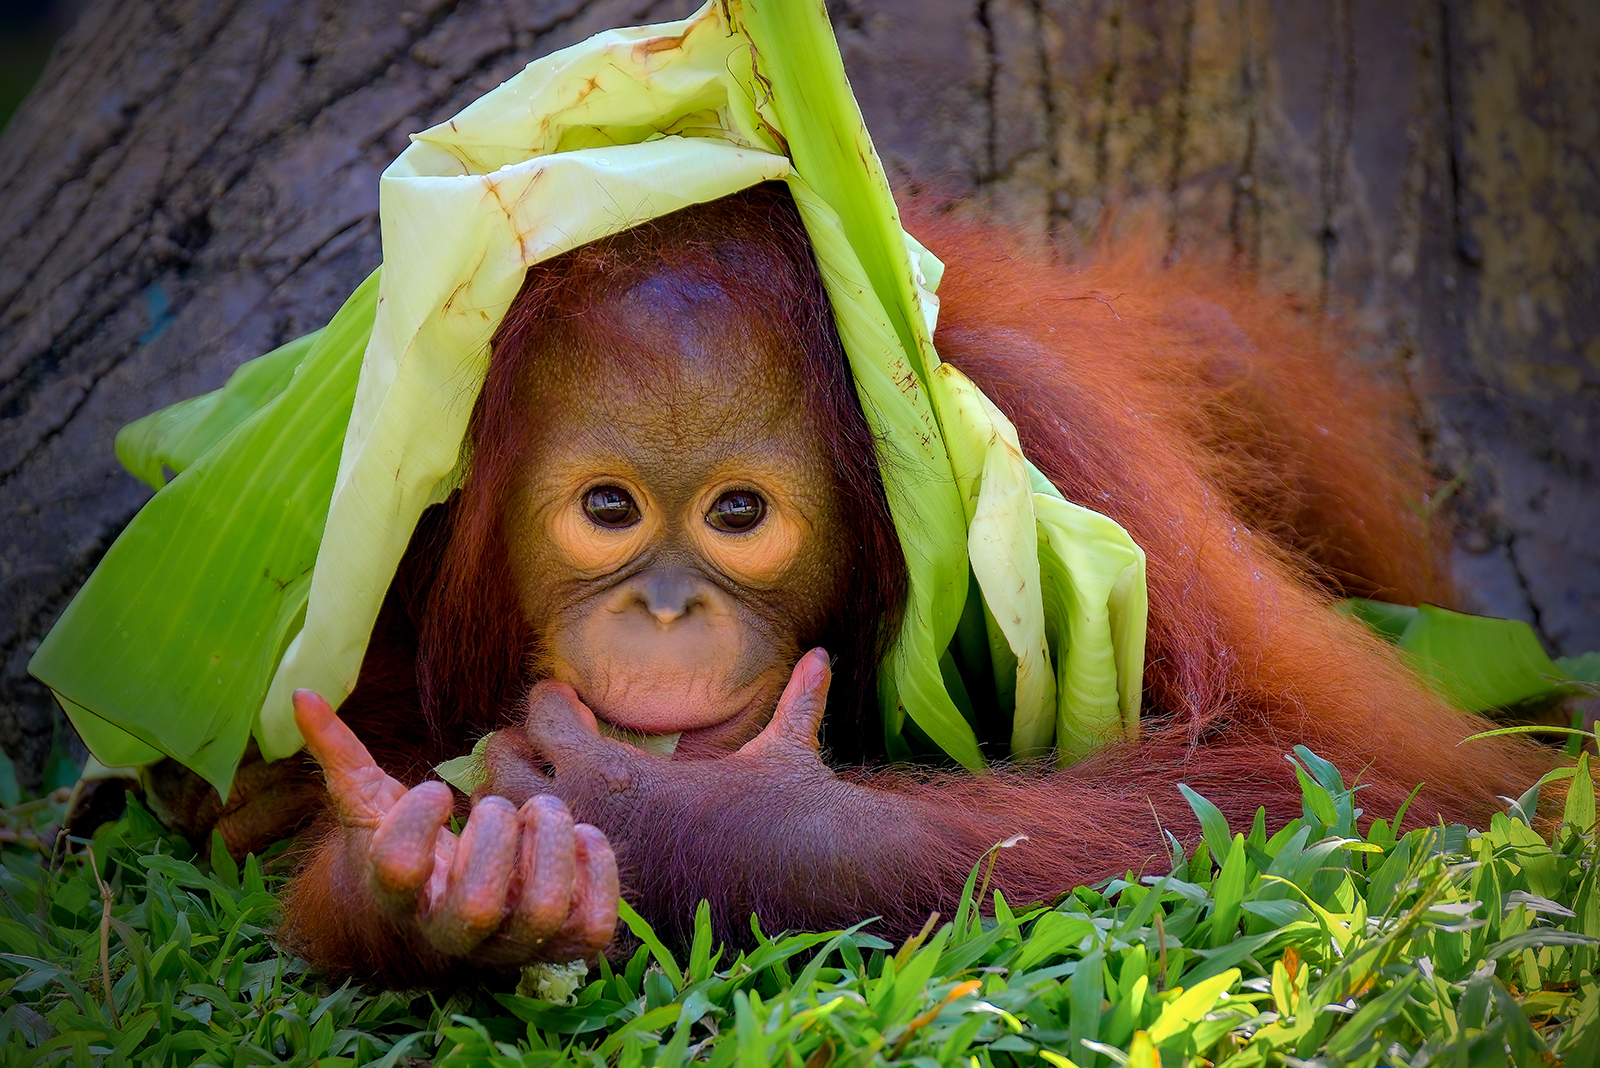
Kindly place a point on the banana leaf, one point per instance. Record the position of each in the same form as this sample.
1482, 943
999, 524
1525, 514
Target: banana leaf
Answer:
260, 567
169, 645
175, 437
1477, 663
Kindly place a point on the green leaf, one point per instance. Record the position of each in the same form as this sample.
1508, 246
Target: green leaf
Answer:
1212, 822
1580, 1045
1318, 802
1532, 728
1526, 1045
1387, 620
1585, 668
1054, 933
177, 436
1215, 961
1085, 992
1278, 912
752, 1047
1538, 936
17, 939
1228, 894
911, 980
1383, 888
1145, 908
1526, 806
198, 982
466, 772
654, 1020
645, 933
578, 1019
174, 637
700, 948
1192, 1004
1475, 662
965, 909
180, 872
1377, 1013
1579, 813
222, 864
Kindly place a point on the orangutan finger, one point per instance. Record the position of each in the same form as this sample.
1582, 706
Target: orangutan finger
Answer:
548, 865
473, 904
403, 850
512, 767
362, 790
799, 714
557, 721
592, 917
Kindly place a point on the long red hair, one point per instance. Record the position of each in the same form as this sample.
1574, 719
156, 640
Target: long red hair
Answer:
1265, 474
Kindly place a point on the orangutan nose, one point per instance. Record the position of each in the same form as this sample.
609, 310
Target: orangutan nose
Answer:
670, 593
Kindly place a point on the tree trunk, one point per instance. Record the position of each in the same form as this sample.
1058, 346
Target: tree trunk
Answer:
193, 183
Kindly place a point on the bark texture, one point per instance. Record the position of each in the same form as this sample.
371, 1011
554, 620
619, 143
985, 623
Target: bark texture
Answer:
193, 183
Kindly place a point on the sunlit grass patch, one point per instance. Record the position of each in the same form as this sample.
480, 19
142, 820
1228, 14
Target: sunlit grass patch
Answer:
1317, 945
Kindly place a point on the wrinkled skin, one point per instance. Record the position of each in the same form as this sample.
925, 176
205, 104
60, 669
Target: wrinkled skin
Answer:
517, 884
559, 750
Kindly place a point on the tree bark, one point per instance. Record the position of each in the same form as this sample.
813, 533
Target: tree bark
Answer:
192, 183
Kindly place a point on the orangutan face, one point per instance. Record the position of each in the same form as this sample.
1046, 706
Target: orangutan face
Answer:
670, 536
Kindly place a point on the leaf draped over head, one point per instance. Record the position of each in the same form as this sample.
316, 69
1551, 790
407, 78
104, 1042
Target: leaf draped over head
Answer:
261, 567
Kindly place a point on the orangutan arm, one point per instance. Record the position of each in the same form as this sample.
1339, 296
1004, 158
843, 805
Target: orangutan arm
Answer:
772, 830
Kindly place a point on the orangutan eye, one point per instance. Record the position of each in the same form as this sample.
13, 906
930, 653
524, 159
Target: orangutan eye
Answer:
611, 506
737, 510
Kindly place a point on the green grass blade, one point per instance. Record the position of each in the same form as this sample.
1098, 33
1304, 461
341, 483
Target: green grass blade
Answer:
645, 933
1228, 894
1212, 822
1086, 991
1579, 813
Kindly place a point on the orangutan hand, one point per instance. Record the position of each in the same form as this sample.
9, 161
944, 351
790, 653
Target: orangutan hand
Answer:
560, 750
517, 886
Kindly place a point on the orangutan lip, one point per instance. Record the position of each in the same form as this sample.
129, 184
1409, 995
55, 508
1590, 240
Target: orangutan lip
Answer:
665, 744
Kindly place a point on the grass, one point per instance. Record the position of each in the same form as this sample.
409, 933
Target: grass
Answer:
1317, 945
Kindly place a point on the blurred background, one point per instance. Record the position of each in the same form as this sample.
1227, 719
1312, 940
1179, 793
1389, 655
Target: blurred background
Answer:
185, 184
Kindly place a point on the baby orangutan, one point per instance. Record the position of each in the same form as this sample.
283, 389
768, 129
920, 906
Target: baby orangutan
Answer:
674, 514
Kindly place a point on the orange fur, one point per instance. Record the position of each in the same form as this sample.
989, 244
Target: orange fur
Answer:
1262, 473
